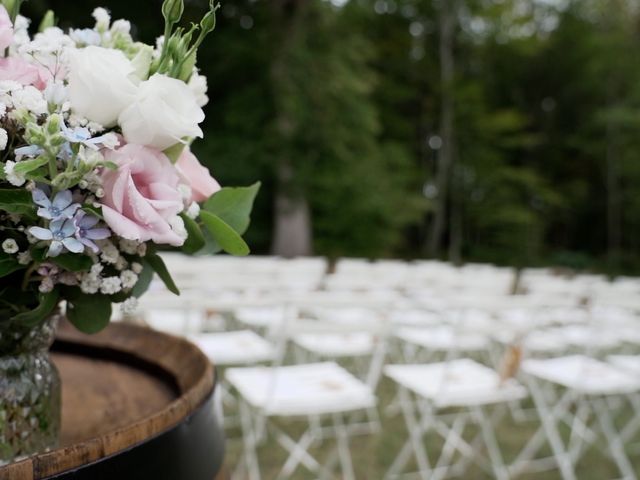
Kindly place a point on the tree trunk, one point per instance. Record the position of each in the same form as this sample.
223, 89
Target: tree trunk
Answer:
614, 219
447, 20
456, 222
292, 223
292, 219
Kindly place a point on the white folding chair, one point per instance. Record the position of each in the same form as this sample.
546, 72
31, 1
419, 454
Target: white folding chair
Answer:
316, 393
573, 390
225, 349
472, 390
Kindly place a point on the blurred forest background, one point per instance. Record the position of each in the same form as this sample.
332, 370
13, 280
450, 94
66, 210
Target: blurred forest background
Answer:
471, 130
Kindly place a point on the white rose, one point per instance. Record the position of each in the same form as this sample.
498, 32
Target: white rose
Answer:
101, 83
163, 113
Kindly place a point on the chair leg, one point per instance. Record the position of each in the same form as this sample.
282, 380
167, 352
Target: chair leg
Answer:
414, 442
250, 456
497, 463
342, 440
550, 427
297, 453
614, 442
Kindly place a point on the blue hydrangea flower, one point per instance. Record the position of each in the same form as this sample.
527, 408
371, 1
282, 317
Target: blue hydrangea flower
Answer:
61, 233
83, 135
62, 206
86, 233
30, 151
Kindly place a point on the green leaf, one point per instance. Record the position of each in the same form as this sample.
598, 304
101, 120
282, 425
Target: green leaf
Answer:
48, 302
8, 264
27, 166
17, 201
233, 206
144, 280
227, 237
89, 313
96, 212
195, 241
156, 262
73, 262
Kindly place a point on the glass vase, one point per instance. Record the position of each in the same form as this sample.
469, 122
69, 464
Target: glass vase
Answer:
29, 390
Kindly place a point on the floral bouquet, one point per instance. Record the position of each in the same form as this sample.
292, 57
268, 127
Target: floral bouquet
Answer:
96, 174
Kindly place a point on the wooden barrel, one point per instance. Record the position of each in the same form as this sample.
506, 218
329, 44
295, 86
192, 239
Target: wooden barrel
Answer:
136, 404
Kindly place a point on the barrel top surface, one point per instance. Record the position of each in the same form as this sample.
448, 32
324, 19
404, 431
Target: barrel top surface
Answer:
120, 388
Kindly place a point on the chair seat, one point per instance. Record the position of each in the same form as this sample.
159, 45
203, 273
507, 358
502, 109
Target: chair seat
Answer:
457, 383
176, 322
444, 339
583, 374
587, 336
242, 347
628, 363
337, 345
312, 389
260, 317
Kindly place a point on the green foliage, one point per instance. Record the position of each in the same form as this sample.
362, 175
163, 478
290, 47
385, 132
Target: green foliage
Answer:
158, 266
48, 302
196, 241
228, 239
88, 313
234, 205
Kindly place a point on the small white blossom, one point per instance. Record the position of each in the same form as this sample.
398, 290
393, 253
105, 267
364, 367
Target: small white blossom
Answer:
198, 85
10, 246
4, 138
110, 253
96, 269
121, 263
14, 178
177, 225
24, 258
136, 267
103, 19
142, 249
56, 93
129, 247
85, 37
90, 284
129, 279
30, 98
121, 26
129, 306
110, 285
193, 211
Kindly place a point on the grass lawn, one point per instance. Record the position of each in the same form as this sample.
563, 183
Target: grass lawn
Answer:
373, 454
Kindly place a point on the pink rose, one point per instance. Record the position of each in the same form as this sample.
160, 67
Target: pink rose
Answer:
6, 29
141, 196
23, 72
202, 184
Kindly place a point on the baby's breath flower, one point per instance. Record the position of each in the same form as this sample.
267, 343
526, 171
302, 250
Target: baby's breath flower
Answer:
129, 279
24, 258
10, 246
110, 285
16, 179
129, 306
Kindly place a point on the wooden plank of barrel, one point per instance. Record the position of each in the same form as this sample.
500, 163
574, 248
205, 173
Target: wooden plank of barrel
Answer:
136, 404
